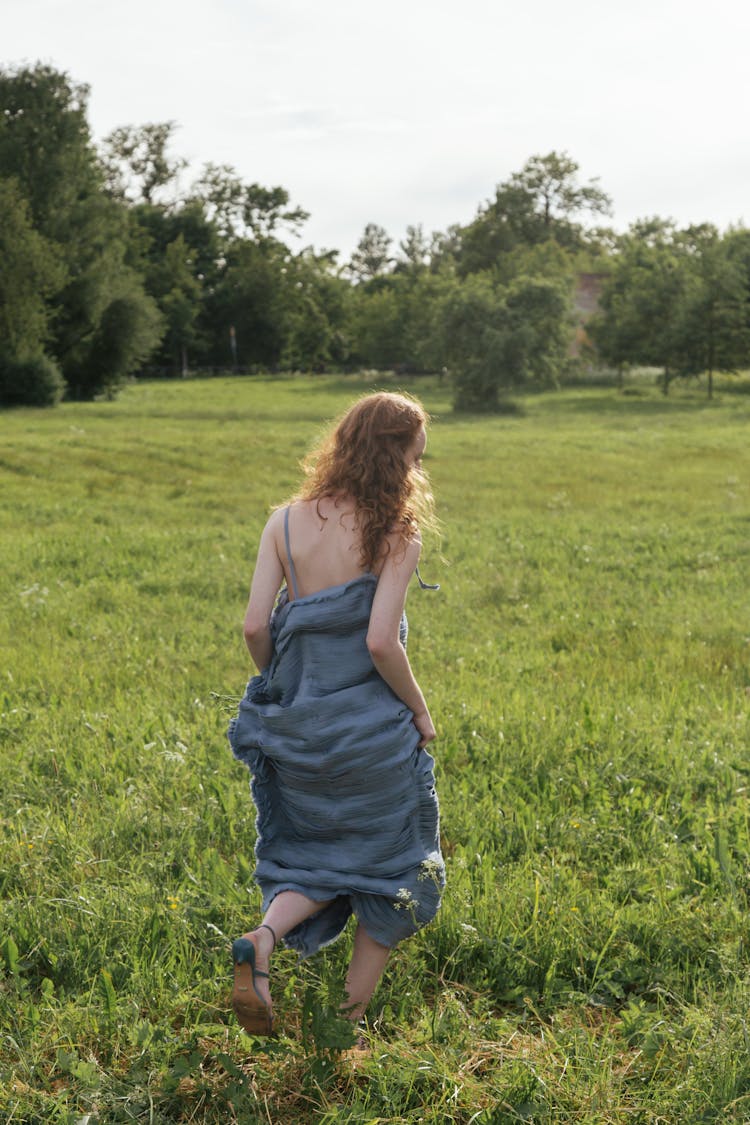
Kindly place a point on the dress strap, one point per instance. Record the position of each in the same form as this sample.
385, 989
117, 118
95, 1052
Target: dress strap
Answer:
292, 571
424, 585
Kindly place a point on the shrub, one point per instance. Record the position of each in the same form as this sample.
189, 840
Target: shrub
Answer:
128, 331
35, 381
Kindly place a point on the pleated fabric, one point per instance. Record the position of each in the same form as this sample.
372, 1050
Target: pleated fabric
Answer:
345, 799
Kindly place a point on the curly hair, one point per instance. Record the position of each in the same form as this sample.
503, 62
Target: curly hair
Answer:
363, 457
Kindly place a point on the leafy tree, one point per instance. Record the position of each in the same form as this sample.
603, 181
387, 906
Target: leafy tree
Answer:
45, 144
178, 294
551, 181
541, 329
542, 259
415, 250
424, 303
179, 251
372, 257
31, 273
33, 381
127, 332
248, 294
245, 210
713, 331
495, 339
380, 328
445, 248
541, 202
641, 304
737, 247
474, 341
249, 299
317, 311
136, 161
676, 300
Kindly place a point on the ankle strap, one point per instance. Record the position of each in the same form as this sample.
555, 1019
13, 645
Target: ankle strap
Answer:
265, 926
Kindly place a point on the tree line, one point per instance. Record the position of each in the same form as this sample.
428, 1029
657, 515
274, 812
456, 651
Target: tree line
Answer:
111, 268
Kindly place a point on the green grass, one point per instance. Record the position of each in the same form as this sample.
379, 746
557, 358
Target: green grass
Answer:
587, 664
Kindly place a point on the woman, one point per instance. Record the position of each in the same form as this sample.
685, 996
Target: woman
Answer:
334, 727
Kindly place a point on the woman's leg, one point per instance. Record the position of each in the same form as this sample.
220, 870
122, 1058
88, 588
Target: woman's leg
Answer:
366, 967
287, 910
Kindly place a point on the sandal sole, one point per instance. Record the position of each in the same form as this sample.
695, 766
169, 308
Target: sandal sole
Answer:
249, 1006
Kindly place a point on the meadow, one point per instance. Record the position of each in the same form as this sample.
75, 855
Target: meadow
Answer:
587, 664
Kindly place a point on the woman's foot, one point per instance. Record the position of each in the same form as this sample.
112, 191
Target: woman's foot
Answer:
361, 1048
251, 995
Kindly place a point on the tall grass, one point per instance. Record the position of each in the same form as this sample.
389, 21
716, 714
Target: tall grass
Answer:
586, 660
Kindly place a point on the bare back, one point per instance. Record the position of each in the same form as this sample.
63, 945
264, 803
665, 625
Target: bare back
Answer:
325, 544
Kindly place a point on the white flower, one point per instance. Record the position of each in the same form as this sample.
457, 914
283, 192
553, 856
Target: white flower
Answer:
430, 869
405, 900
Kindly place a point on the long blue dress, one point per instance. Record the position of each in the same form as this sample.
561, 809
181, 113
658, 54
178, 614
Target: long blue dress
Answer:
345, 799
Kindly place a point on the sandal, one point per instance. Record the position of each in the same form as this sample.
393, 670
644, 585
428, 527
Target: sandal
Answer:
252, 1011
360, 1049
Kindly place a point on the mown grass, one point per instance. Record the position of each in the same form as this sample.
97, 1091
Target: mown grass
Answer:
586, 660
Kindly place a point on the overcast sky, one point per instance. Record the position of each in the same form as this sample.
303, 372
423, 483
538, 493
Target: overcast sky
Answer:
411, 111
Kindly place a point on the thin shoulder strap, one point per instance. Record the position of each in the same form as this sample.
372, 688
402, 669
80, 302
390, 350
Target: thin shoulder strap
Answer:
426, 585
292, 571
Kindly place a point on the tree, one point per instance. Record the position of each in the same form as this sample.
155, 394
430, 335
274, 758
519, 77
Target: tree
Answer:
372, 257
317, 311
713, 331
380, 328
245, 210
551, 181
641, 301
676, 300
136, 161
424, 301
249, 299
445, 248
541, 329
737, 245
32, 272
496, 339
179, 252
127, 332
415, 250
178, 295
46, 145
541, 202
33, 381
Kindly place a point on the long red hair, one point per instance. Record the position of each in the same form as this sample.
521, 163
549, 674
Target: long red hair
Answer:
364, 458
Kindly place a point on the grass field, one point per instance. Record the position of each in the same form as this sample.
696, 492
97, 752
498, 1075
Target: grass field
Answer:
587, 664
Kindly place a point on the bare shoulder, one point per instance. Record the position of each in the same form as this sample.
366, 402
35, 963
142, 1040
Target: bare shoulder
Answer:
274, 522
403, 552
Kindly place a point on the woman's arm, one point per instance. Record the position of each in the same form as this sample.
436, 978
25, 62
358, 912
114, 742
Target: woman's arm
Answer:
267, 579
387, 652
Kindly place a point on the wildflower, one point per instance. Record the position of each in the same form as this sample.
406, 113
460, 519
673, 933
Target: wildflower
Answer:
430, 869
173, 756
405, 899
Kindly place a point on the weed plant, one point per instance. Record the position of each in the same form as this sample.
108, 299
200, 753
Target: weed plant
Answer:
586, 661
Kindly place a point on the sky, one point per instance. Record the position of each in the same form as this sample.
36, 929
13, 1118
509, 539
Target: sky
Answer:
402, 112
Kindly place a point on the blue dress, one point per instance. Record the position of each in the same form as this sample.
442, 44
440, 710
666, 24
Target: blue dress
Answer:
345, 799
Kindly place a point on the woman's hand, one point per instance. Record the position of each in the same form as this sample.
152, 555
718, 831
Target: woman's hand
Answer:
424, 725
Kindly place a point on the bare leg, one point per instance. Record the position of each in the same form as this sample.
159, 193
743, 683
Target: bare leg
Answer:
366, 967
287, 910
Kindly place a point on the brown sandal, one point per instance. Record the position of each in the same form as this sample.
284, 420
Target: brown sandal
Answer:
252, 1011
